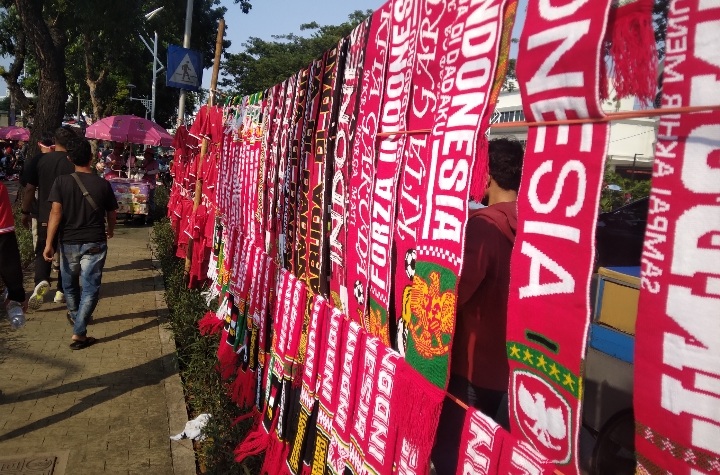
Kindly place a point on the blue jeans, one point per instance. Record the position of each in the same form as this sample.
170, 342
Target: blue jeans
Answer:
82, 265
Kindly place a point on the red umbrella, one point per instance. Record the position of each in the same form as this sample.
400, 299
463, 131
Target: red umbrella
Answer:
129, 128
12, 132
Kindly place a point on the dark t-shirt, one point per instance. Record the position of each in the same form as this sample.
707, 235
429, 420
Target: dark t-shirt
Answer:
41, 172
80, 223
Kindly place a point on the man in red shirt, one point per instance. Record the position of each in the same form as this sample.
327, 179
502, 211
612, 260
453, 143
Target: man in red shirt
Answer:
479, 369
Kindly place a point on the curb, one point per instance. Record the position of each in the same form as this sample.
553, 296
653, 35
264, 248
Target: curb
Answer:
182, 451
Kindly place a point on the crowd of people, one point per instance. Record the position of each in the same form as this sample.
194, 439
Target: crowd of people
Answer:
70, 206
12, 158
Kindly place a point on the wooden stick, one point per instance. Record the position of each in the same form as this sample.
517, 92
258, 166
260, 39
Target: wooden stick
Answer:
205, 142
611, 116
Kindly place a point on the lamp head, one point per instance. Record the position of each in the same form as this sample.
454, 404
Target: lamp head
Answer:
153, 13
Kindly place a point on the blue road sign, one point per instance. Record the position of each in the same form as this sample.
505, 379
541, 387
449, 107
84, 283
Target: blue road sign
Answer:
184, 68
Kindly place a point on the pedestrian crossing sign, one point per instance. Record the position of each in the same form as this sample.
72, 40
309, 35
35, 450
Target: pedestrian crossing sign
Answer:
184, 68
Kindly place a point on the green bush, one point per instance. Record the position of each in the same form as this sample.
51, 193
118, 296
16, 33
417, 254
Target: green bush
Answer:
24, 237
197, 355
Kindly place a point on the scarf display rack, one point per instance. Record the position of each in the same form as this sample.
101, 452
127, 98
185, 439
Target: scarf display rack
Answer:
329, 215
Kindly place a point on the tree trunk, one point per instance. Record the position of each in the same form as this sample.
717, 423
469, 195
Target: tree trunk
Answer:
12, 74
93, 80
49, 46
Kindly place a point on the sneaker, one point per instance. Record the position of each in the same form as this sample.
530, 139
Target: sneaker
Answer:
59, 297
15, 314
38, 296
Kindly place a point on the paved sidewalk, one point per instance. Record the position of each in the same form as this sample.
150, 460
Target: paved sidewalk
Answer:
109, 408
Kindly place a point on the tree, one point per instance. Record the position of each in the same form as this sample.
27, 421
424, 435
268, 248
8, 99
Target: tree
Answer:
265, 63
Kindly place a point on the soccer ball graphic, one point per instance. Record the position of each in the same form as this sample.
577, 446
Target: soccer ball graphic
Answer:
359, 292
410, 257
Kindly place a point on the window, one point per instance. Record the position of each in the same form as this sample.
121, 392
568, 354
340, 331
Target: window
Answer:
512, 116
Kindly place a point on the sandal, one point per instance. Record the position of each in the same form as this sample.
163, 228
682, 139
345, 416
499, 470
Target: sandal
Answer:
80, 344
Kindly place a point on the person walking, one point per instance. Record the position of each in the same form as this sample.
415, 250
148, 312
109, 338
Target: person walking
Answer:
41, 173
10, 266
479, 371
81, 204
152, 168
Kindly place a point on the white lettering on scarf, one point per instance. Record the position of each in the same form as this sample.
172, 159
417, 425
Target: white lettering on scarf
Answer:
476, 458
330, 357
694, 294
366, 388
381, 415
450, 167
345, 396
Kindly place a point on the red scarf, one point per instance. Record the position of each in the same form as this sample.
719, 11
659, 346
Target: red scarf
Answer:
460, 120
363, 166
339, 451
424, 100
327, 388
677, 344
552, 259
389, 160
343, 152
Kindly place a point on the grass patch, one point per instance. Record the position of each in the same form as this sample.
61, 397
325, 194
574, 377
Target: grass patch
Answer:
204, 391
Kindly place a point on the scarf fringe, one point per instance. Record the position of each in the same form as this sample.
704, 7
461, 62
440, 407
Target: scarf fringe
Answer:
242, 389
210, 324
633, 51
227, 361
257, 440
275, 456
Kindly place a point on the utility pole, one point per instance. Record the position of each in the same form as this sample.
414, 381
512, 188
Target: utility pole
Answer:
186, 44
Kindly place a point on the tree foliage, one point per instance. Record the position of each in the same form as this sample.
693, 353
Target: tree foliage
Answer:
265, 63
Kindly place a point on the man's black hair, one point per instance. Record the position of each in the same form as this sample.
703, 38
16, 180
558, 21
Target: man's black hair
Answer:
47, 139
506, 160
78, 149
63, 135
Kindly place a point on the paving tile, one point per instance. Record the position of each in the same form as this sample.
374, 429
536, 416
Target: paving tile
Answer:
106, 405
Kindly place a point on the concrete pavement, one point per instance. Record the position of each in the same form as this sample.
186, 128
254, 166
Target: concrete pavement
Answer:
108, 408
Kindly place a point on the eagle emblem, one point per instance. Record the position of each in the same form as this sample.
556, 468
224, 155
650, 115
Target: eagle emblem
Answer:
429, 315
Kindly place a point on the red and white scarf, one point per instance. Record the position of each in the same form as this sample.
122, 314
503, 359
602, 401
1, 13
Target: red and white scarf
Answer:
424, 100
677, 343
327, 388
342, 158
339, 451
460, 121
389, 161
363, 165
552, 258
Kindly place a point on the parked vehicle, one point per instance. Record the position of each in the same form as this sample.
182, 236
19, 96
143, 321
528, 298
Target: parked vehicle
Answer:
619, 234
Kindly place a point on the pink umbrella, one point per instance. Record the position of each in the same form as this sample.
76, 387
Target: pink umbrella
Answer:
129, 128
12, 132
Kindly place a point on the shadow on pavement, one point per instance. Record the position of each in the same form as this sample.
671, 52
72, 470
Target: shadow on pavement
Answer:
152, 313
113, 385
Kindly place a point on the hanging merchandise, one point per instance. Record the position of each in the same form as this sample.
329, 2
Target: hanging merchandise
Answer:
552, 259
363, 166
343, 153
460, 121
677, 353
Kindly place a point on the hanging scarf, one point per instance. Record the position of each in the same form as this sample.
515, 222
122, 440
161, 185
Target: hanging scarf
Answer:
677, 352
339, 451
271, 186
305, 149
320, 166
419, 403
389, 162
283, 187
460, 120
552, 259
342, 157
363, 166
424, 100
302, 430
327, 388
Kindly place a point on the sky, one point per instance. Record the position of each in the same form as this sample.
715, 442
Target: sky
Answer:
278, 17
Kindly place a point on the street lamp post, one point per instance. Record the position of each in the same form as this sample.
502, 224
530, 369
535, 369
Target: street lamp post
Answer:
633, 166
155, 69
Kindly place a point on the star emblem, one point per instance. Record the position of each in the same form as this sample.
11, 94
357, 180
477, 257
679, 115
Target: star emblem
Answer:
528, 356
541, 363
554, 373
568, 381
514, 351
